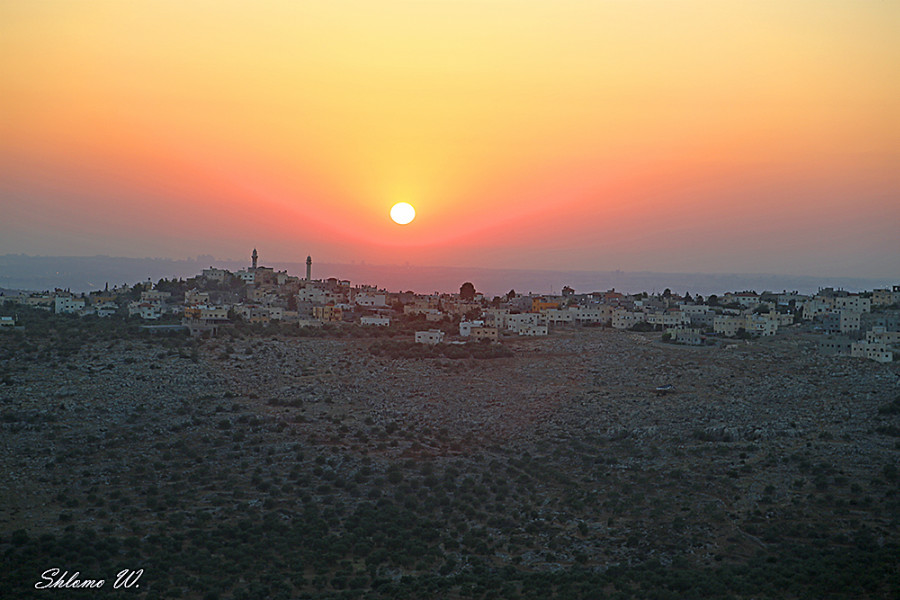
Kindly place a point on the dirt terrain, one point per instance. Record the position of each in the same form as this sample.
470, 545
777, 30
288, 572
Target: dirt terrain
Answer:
561, 457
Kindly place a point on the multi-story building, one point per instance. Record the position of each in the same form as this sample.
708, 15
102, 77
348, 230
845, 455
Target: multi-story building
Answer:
745, 299
623, 319
194, 297
106, 309
886, 297
150, 311
519, 321
877, 351
686, 335
217, 275
835, 345
496, 317
485, 333
888, 319
853, 303
155, 296
673, 318
728, 325
760, 324
703, 320
594, 314
328, 313
374, 300
882, 336
533, 330
248, 277
67, 305
41, 302
849, 321
817, 307
556, 316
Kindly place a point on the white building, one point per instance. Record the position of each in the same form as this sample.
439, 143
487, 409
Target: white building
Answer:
880, 335
885, 297
145, 310
594, 314
849, 321
214, 313
431, 337
496, 317
876, 351
107, 309
783, 319
376, 321
785, 298
555, 316
623, 319
67, 305
155, 296
727, 325
688, 336
246, 276
533, 330
760, 325
41, 302
755, 324
215, 274
420, 306
315, 295
853, 303
282, 278
192, 297
745, 299
816, 307
669, 319
369, 299
694, 309
520, 321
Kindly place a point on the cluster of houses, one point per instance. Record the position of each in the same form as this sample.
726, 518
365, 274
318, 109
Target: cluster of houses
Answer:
864, 325
856, 325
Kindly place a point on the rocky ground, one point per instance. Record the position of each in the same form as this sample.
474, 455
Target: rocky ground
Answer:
561, 457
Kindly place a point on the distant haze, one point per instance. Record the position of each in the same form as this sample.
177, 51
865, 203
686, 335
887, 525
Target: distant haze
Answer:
82, 274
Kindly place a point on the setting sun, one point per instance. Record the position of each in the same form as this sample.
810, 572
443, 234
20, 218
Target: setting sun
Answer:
403, 213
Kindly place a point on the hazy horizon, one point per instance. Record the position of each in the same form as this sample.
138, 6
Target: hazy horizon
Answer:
87, 273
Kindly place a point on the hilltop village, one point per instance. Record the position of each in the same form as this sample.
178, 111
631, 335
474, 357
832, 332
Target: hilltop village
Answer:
864, 325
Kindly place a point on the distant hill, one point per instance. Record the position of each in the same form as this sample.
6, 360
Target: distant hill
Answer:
87, 273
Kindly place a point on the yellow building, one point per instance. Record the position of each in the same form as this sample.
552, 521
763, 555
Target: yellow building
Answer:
539, 304
328, 313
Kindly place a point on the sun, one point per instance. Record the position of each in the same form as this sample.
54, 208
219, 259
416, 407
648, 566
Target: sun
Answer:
403, 213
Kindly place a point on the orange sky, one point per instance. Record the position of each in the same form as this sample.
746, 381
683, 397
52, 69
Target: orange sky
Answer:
654, 135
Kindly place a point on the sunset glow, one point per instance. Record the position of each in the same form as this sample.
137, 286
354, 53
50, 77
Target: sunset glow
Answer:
672, 136
403, 213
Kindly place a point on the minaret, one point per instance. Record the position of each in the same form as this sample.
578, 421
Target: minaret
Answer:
254, 256
309, 268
